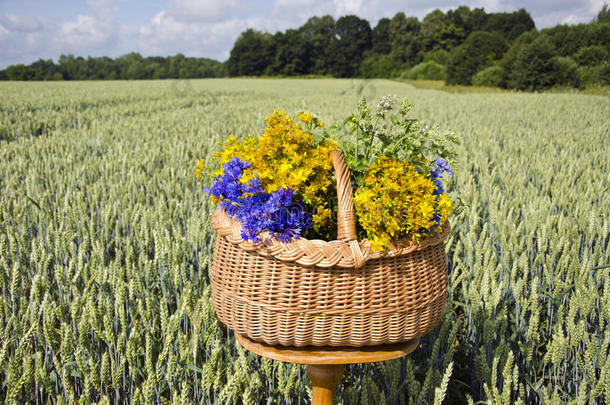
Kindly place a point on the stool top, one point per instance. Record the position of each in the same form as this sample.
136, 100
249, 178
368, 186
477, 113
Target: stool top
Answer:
328, 355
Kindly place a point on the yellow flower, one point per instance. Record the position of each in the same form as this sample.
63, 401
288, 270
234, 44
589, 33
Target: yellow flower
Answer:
305, 118
200, 167
396, 200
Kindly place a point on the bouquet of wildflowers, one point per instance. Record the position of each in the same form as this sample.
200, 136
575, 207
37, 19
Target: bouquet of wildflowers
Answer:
283, 182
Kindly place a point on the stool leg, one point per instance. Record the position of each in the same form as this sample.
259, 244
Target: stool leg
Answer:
324, 379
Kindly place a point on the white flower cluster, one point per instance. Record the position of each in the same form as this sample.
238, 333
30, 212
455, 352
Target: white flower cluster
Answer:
386, 103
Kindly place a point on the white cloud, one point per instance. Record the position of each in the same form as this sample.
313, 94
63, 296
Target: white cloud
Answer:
99, 29
167, 34
571, 19
25, 38
22, 23
595, 6
209, 10
489, 5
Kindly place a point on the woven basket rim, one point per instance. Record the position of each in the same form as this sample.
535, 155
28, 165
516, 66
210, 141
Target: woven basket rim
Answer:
317, 252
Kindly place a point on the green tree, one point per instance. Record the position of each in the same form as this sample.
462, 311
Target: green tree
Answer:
568, 39
510, 25
431, 28
381, 37
101, 68
251, 54
43, 69
318, 32
19, 72
468, 20
176, 63
592, 55
73, 68
535, 67
603, 16
292, 54
567, 71
481, 49
404, 38
510, 56
352, 38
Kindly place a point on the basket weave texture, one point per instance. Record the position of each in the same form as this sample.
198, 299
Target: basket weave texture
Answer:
320, 293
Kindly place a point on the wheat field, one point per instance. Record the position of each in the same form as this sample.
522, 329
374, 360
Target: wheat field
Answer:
105, 246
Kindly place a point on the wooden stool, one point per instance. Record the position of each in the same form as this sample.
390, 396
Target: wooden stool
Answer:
325, 365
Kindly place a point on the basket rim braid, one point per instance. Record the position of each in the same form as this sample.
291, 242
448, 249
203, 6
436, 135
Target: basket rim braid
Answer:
327, 293
345, 252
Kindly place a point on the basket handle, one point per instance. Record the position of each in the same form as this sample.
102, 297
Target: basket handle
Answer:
346, 218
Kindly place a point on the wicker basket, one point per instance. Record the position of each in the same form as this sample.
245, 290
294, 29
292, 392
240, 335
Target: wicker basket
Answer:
319, 293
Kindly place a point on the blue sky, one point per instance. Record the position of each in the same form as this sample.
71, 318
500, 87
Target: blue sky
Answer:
32, 29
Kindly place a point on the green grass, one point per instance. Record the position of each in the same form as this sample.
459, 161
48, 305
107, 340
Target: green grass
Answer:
105, 246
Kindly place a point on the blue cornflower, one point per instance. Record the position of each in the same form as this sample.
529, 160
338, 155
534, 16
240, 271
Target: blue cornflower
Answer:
256, 210
439, 185
443, 165
440, 167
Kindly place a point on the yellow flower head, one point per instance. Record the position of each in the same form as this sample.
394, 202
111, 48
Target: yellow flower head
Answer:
200, 167
305, 118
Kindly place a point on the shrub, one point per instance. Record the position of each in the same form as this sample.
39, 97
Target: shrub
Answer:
593, 75
491, 76
427, 71
379, 66
604, 74
439, 56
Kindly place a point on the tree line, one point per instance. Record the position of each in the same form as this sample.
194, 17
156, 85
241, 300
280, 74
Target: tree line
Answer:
131, 66
461, 46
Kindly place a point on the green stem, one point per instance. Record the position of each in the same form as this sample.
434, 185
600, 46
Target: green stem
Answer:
356, 155
371, 137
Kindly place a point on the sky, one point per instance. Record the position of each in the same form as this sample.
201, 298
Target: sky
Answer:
33, 29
